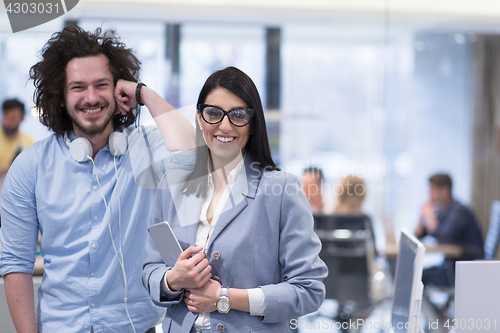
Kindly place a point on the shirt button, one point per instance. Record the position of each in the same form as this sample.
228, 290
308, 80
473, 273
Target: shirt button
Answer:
92, 305
215, 255
216, 278
94, 187
94, 246
220, 327
92, 274
95, 218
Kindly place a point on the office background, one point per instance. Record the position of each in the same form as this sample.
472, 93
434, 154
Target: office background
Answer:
390, 90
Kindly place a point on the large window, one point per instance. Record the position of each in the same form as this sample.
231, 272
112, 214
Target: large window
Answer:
206, 48
389, 107
18, 52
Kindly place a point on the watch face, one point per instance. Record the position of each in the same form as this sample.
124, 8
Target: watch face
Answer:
223, 305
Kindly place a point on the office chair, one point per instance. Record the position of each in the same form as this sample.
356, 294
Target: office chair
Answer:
348, 249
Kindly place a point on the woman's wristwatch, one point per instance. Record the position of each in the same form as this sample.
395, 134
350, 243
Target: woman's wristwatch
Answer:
223, 304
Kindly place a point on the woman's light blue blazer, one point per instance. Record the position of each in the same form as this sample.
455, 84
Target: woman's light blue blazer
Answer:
264, 238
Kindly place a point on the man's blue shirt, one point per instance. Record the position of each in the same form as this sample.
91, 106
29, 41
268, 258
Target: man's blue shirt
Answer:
83, 285
457, 225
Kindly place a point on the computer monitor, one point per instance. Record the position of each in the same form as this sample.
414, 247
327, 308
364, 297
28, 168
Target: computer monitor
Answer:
408, 286
476, 297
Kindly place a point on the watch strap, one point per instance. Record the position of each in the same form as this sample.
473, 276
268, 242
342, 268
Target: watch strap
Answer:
224, 291
223, 298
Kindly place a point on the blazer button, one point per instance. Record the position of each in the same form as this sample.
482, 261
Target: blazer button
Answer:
215, 255
221, 327
216, 278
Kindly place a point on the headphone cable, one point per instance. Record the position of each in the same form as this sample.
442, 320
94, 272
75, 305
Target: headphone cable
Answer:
120, 260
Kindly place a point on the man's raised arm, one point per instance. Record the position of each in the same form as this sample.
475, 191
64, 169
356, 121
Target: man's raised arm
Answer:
176, 131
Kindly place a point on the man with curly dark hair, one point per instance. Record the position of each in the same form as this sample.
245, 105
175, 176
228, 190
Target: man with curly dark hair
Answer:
87, 189
59, 51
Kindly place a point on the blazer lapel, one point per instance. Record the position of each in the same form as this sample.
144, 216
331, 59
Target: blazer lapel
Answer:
188, 207
244, 189
188, 213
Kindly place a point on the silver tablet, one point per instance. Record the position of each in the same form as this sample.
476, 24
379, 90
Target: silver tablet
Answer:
165, 242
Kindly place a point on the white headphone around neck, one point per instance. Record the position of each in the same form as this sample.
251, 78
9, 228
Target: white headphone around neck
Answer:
81, 149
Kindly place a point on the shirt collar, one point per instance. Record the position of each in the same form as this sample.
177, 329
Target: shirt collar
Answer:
72, 136
233, 175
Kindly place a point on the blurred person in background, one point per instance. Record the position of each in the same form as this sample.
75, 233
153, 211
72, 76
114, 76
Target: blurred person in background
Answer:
312, 185
12, 141
351, 192
351, 196
448, 221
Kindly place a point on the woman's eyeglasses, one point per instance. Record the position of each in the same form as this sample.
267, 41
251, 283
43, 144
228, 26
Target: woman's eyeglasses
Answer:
213, 115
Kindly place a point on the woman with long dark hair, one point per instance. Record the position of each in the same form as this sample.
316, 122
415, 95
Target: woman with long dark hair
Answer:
250, 260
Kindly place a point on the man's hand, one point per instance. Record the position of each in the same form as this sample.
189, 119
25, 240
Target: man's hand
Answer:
428, 210
203, 299
125, 96
429, 220
189, 271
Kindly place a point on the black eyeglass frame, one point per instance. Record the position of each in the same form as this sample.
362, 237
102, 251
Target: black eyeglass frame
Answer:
201, 107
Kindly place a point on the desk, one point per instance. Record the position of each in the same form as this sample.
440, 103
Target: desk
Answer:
450, 251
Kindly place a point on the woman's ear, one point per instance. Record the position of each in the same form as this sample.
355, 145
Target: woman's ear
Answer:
198, 118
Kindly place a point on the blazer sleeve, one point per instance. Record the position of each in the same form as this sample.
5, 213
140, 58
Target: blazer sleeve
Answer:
178, 166
154, 268
302, 290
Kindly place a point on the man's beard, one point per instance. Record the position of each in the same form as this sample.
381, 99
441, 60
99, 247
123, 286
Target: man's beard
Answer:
93, 129
9, 132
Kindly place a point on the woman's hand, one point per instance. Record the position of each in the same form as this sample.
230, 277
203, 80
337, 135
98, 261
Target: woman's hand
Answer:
125, 96
190, 271
203, 299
